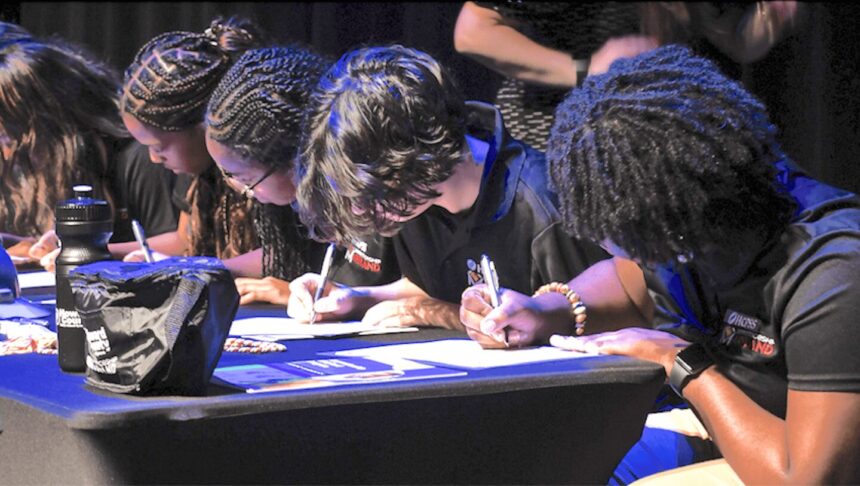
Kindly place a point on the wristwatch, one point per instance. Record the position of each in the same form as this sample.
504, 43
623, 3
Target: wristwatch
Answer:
691, 361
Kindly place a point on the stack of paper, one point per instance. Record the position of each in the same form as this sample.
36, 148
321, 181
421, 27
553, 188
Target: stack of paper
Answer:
284, 328
462, 353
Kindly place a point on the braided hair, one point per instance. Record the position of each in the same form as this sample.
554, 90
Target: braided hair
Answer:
257, 112
664, 154
167, 86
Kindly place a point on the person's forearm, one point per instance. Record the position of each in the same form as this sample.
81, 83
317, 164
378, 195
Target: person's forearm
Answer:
399, 289
481, 35
246, 265
615, 295
10, 240
436, 313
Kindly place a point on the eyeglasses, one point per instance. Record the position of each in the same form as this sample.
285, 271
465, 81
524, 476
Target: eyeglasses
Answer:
246, 190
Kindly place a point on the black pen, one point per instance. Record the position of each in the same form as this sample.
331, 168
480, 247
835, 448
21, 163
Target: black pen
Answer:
329, 255
140, 236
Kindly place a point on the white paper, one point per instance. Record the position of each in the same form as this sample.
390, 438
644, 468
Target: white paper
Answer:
463, 353
283, 328
32, 280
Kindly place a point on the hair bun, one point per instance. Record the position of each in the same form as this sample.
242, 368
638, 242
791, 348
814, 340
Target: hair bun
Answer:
234, 34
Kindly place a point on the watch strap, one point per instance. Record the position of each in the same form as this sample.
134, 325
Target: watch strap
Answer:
689, 363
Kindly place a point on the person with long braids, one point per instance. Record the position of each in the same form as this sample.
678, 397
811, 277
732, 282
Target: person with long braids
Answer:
165, 91
59, 127
253, 127
748, 293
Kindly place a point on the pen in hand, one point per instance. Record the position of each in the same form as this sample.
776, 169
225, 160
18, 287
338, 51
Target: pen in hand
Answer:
491, 278
140, 236
329, 255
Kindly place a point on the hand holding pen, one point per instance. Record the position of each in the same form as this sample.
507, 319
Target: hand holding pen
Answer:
329, 256
140, 236
491, 278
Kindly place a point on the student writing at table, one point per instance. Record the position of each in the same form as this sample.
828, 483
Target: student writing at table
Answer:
392, 148
165, 92
750, 294
253, 127
59, 127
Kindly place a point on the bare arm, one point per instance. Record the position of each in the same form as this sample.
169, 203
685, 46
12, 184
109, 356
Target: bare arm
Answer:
817, 443
616, 296
249, 265
613, 290
483, 34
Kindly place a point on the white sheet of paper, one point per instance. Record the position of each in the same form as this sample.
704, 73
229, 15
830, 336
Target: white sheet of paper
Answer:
283, 328
463, 353
33, 280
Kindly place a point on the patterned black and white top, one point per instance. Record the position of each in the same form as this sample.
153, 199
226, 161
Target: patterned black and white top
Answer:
576, 28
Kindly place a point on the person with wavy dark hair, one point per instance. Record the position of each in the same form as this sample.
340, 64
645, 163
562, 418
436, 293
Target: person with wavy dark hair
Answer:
59, 127
253, 127
165, 92
750, 293
392, 148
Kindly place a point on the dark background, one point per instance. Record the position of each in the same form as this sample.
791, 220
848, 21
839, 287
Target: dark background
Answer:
809, 82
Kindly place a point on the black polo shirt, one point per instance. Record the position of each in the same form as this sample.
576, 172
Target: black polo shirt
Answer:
141, 191
514, 221
784, 314
363, 262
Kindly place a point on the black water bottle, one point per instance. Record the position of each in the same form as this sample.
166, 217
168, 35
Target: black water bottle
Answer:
84, 225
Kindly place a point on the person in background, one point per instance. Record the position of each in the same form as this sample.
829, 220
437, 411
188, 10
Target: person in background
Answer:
731, 34
750, 295
392, 148
164, 96
253, 127
59, 127
543, 49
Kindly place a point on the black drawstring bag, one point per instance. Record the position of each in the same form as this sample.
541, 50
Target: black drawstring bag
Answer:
154, 328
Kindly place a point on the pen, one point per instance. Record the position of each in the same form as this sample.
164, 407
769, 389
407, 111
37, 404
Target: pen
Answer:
140, 236
329, 255
488, 268
491, 278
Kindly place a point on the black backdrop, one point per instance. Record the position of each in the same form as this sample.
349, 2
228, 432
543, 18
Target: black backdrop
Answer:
810, 82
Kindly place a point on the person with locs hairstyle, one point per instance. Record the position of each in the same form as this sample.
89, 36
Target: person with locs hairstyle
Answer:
164, 97
392, 148
750, 293
253, 127
59, 127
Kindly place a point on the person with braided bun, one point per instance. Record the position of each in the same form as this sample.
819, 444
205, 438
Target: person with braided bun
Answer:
165, 92
59, 127
392, 148
253, 127
748, 295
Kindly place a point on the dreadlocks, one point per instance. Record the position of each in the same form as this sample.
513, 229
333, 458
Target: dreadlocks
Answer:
167, 86
663, 154
257, 111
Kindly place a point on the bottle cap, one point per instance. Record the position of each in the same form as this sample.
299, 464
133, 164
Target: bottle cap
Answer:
83, 207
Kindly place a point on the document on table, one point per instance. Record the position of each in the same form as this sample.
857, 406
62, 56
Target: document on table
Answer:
315, 373
33, 280
283, 328
463, 354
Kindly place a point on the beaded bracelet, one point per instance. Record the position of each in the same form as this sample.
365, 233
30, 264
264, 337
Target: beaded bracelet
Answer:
578, 311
